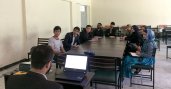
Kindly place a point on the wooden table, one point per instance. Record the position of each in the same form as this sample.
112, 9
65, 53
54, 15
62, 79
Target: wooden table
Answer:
109, 47
106, 47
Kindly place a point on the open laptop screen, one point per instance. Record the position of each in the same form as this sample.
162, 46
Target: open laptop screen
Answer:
76, 62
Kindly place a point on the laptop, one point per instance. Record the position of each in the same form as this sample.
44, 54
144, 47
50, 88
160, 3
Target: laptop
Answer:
75, 68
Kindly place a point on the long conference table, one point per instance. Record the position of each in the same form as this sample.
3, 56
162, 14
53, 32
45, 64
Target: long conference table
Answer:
108, 47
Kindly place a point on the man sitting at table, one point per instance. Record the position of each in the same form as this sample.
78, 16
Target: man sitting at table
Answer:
112, 31
72, 39
86, 34
98, 31
56, 43
41, 57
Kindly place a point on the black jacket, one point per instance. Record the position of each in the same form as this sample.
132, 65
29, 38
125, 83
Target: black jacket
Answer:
98, 32
135, 38
84, 36
113, 32
31, 80
68, 40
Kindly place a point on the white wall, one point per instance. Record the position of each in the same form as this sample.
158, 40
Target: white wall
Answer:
76, 15
149, 12
11, 32
23, 21
43, 15
82, 2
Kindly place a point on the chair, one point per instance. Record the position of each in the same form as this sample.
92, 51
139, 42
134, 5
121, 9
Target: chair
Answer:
167, 34
158, 43
107, 71
169, 46
151, 69
6, 79
41, 41
8, 75
60, 61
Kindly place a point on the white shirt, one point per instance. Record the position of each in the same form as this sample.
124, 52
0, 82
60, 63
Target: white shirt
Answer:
44, 76
73, 39
55, 44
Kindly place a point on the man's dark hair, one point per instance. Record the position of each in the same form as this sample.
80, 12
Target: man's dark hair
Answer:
112, 23
76, 29
57, 28
144, 26
135, 28
99, 24
145, 30
40, 56
88, 26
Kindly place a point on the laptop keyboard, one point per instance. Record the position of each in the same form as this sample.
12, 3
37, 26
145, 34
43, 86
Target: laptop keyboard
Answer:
71, 76
74, 74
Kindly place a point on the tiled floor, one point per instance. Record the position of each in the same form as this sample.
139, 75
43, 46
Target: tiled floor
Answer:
162, 78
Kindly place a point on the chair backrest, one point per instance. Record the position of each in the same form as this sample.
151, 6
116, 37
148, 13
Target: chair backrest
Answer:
154, 52
106, 63
60, 60
42, 41
6, 77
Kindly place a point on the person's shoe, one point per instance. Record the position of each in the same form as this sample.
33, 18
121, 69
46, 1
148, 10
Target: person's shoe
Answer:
137, 71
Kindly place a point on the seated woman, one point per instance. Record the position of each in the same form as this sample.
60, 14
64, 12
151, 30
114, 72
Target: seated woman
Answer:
134, 40
145, 52
135, 36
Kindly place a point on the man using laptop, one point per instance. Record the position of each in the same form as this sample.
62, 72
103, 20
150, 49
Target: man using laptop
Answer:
41, 57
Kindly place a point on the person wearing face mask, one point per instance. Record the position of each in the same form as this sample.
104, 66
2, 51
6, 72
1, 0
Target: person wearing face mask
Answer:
72, 39
146, 53
41, 57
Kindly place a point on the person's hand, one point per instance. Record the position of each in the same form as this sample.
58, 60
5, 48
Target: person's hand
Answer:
138, 48
75, 46
94, 39
112, 36
125, 37
61, 53
138, 52
98, 37
122, 38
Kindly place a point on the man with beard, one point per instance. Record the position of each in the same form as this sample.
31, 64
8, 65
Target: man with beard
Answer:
41, 57
98, 31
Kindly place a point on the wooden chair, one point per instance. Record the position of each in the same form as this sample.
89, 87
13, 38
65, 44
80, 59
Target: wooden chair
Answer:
107, 71
60, 61
158, 43
151, 68
167, 47
41, 41
6, 79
